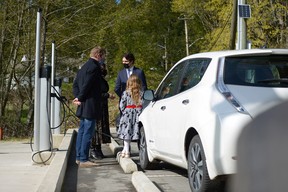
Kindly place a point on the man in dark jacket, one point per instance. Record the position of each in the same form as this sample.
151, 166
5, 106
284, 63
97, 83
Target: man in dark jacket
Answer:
129, 68
87, 93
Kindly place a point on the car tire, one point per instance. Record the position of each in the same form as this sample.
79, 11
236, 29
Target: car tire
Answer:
143, 156
198, 177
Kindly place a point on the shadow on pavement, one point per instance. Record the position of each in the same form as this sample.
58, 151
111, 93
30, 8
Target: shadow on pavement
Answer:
71, 174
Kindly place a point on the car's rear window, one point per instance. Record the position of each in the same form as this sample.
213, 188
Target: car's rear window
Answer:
264, 71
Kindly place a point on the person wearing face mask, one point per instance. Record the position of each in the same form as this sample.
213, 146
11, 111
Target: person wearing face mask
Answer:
87, 93
129, 68
102, 134
128, 61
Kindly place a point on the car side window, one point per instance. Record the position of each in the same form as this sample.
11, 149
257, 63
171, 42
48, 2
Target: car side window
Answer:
193, 73
170, 84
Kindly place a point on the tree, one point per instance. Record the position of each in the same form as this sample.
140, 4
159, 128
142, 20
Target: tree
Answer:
209, 20
267, 26
150, 29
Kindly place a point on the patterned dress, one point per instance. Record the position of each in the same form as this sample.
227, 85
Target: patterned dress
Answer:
102, 129
129, 122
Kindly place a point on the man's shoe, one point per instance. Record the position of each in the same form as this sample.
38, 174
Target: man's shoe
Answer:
87, 164
92, 154
99, 153
96, 154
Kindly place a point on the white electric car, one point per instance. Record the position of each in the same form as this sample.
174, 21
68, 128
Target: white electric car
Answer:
197, 112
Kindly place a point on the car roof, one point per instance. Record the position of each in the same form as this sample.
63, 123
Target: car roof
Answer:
225, 53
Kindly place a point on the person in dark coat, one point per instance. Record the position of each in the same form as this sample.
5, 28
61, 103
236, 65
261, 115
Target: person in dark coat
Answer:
87, 93
128, 61
102, 133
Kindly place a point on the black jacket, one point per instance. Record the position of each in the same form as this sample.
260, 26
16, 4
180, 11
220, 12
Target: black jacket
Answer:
87, 88
122, 78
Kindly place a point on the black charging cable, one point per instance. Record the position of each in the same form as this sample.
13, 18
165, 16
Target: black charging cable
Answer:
65, 106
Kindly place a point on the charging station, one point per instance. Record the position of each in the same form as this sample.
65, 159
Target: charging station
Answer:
55, 106
42, 151
55, 90
45, 75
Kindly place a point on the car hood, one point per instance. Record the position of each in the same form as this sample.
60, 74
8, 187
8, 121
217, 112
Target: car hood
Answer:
258, 99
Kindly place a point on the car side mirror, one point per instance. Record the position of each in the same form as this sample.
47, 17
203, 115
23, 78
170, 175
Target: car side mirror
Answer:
149, 95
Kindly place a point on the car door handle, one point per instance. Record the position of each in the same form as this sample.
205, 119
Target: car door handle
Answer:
163, 108
185, 102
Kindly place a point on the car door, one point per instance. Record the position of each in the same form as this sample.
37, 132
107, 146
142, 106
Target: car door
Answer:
166, 116
178, 108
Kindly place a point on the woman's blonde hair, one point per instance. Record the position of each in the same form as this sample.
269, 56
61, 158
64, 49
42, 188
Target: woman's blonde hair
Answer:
133, 86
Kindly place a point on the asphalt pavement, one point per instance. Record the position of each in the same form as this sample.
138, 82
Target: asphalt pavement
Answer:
18, 172
108, 176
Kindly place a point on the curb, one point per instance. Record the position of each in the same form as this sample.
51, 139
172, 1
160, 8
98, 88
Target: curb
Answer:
126, 164
139, 180
142, 184
115, 147
54, 177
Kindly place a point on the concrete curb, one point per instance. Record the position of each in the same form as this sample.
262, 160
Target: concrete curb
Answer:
54, 177
115, 147
126, 164
139, 180
142, 184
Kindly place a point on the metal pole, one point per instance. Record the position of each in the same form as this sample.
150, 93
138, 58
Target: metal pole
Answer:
241, 41
165, 55
238, 26
53, 99
186, 33
37, 83
186, 36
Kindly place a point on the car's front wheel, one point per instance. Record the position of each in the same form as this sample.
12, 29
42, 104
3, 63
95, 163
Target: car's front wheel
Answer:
197, 169
143, 156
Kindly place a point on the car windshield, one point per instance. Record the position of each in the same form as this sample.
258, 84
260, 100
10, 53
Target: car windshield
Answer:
261, 71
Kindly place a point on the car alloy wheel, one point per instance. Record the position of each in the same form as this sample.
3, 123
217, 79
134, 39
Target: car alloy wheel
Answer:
197, 171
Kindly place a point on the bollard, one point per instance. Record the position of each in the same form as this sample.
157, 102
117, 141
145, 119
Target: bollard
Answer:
1, 133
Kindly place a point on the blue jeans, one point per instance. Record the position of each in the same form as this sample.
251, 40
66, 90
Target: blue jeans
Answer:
84, 136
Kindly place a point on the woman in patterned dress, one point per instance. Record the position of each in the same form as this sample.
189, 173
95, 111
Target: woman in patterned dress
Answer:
102, 133
131, 107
